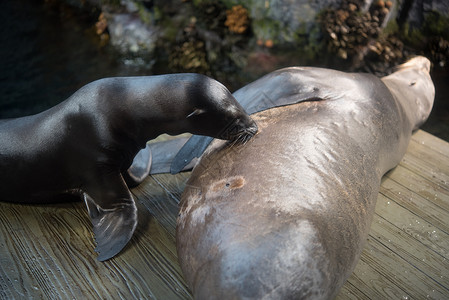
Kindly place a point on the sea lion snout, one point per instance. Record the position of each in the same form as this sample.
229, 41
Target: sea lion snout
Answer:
242, 127
218, 114
412, 86
418, 62
240, 131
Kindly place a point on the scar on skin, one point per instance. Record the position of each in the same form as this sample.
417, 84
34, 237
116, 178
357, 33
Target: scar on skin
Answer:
236, 182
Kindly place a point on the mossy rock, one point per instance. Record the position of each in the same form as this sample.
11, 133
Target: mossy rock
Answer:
435, 24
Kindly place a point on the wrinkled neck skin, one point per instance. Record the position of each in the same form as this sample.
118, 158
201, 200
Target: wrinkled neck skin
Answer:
414, 91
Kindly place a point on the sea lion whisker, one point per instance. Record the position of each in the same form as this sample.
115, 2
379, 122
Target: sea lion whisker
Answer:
241, 139
247, 138
232, 143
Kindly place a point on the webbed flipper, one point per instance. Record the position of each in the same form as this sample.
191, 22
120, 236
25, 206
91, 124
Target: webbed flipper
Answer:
194, 148
113, 213
140, 167
164, 152
156, 158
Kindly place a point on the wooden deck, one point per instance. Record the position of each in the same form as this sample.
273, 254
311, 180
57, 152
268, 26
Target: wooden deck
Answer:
46, 251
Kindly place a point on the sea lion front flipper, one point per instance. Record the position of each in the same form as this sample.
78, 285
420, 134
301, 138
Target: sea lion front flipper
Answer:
140, 167
113, 213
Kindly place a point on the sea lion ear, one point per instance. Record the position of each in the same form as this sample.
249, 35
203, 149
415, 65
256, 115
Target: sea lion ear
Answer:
196, 112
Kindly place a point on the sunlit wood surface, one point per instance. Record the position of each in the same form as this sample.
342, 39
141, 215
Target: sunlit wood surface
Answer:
46, 251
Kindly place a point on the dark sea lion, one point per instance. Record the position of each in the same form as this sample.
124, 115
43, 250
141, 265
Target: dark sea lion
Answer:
84, 144
286, 216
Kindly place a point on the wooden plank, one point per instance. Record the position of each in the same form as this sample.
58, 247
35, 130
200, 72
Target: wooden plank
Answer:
33, 241
422, 263
415, 204
367, 283
350, 291
434, 192
432, 142
160, 196
428, 164
409, 247
47, 252
400, 279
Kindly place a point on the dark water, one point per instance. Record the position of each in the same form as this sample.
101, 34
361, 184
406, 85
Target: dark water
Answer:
48, 51
438, 122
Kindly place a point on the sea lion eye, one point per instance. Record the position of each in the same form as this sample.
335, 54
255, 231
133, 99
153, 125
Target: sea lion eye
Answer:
412, 83
196, 112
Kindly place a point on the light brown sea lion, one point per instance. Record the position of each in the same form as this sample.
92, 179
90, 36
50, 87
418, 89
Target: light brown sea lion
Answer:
84, 144
286, 216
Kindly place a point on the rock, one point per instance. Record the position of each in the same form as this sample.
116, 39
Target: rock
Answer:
416, 12
438, 48
129, 34
237, 19
281, 20
268, 23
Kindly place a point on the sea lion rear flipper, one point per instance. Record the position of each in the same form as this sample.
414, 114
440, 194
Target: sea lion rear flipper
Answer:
140, 168
113, 214
164, 153
194, 147
155, 158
